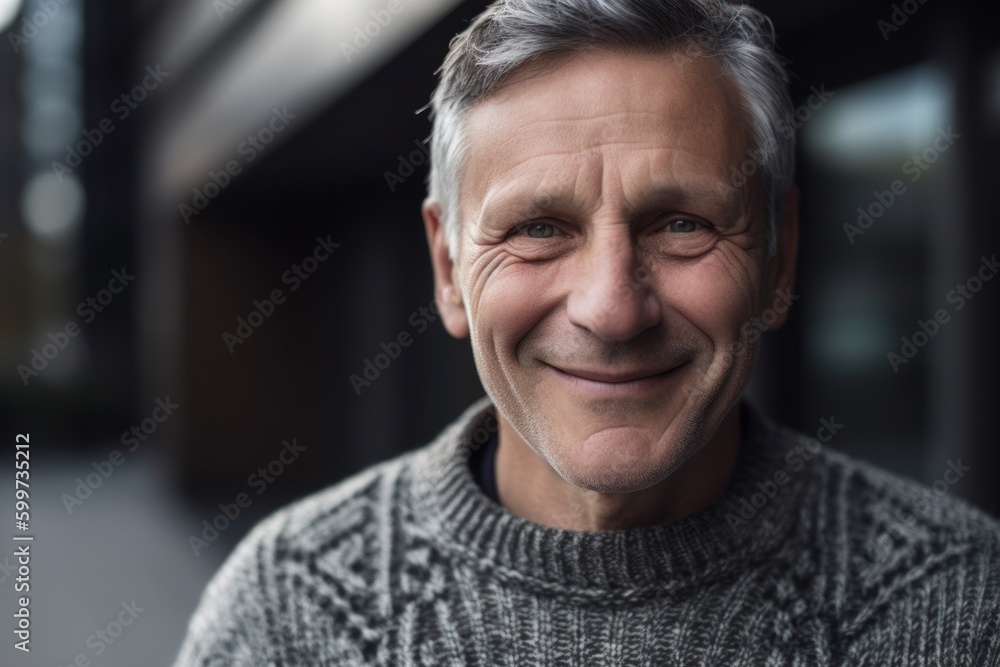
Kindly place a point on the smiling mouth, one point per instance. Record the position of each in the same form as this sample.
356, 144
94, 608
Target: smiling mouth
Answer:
615, 377
647, 384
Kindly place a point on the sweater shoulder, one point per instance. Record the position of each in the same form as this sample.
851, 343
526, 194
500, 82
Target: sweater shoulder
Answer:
878, 501
861, 497
353, 509
316, 558
898, 548
363, 505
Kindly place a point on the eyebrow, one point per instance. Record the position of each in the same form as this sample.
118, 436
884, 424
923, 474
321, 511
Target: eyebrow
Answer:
699, 196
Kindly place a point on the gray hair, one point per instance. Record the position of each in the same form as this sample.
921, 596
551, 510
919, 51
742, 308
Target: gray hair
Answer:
510, 34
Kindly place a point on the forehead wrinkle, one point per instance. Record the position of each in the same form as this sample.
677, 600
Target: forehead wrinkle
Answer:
605, 131
586, 139
536, 190
701, 185
677, 186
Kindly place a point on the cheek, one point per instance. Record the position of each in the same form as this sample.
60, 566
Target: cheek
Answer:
509, 303
717, 294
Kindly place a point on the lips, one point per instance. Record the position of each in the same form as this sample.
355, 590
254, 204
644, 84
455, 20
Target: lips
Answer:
632, 384
613, 377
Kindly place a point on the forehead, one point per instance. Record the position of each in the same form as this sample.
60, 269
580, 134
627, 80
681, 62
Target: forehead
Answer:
666, 120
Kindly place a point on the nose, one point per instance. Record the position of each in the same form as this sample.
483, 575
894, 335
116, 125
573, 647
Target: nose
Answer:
613, 297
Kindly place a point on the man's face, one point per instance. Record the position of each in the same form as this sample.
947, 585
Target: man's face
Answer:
606, 265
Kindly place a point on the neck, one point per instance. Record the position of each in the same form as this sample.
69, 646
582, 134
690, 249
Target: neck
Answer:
528, 486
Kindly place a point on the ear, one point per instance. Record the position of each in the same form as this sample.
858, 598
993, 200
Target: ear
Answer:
447, 292
781, 268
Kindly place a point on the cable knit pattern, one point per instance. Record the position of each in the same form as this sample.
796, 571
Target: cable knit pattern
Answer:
410, 564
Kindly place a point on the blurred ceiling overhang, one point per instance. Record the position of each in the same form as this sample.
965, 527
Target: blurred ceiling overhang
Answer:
299, 55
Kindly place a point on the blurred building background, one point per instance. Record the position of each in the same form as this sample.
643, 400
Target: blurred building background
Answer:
166, 166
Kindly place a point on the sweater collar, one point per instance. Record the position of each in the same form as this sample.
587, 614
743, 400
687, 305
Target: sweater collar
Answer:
705, 544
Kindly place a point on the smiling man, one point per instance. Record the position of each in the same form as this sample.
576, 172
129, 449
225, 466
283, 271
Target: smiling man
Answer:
612, 501
583, 171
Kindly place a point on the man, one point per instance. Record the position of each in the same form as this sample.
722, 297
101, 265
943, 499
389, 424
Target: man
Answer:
612, 501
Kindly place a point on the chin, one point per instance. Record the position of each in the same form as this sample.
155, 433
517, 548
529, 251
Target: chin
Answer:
621, 459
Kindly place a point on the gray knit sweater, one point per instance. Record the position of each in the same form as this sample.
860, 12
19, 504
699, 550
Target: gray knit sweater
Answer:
410, 563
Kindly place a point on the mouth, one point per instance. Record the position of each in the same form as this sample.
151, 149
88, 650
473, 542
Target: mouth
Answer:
627, 383
611, 377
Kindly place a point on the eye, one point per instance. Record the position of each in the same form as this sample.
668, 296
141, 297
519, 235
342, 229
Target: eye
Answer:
538, 230
540, 239
682, 226
678, 234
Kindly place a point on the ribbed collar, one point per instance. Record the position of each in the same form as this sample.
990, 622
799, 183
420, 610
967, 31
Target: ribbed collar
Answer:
629, 562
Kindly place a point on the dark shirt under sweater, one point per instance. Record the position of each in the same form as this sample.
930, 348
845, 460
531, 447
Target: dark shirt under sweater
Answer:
410, 563
483, 464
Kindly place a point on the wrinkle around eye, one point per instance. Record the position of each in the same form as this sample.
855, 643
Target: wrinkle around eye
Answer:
683, 244
495, 265
538, 248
